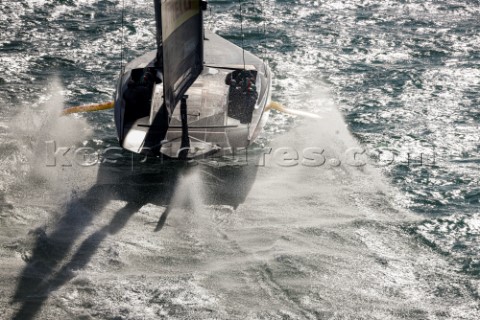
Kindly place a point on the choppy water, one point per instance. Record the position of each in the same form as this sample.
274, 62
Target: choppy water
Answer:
398, 238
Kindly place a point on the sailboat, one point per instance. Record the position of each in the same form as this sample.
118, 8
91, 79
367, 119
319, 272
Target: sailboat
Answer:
196, 95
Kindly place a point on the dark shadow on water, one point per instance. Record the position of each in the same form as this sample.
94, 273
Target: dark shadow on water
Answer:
151, 182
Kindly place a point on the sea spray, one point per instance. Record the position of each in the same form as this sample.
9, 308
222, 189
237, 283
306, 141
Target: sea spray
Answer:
36, 129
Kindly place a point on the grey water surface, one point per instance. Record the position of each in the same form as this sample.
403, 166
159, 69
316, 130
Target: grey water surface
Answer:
370, 211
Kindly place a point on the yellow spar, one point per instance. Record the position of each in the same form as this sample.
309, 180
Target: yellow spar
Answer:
89, 108
109, 105
280, 108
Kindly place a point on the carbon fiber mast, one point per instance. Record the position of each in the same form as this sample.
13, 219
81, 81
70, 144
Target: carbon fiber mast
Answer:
179, 52
158, 23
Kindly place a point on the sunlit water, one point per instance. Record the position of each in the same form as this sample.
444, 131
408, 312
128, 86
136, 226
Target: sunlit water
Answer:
397, 240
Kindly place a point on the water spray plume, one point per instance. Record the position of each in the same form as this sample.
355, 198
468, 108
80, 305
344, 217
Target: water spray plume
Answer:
88, 108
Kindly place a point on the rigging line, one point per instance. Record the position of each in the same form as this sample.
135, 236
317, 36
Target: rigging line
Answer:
264, 33
123, 35
211, 21
241, 33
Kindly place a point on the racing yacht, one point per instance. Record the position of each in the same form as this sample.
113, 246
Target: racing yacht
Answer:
196, 95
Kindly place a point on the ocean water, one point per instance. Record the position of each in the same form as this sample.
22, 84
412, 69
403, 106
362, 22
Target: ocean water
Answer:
391, 234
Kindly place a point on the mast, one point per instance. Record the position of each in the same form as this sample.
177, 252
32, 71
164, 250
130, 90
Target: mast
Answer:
179, 25
158, 22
